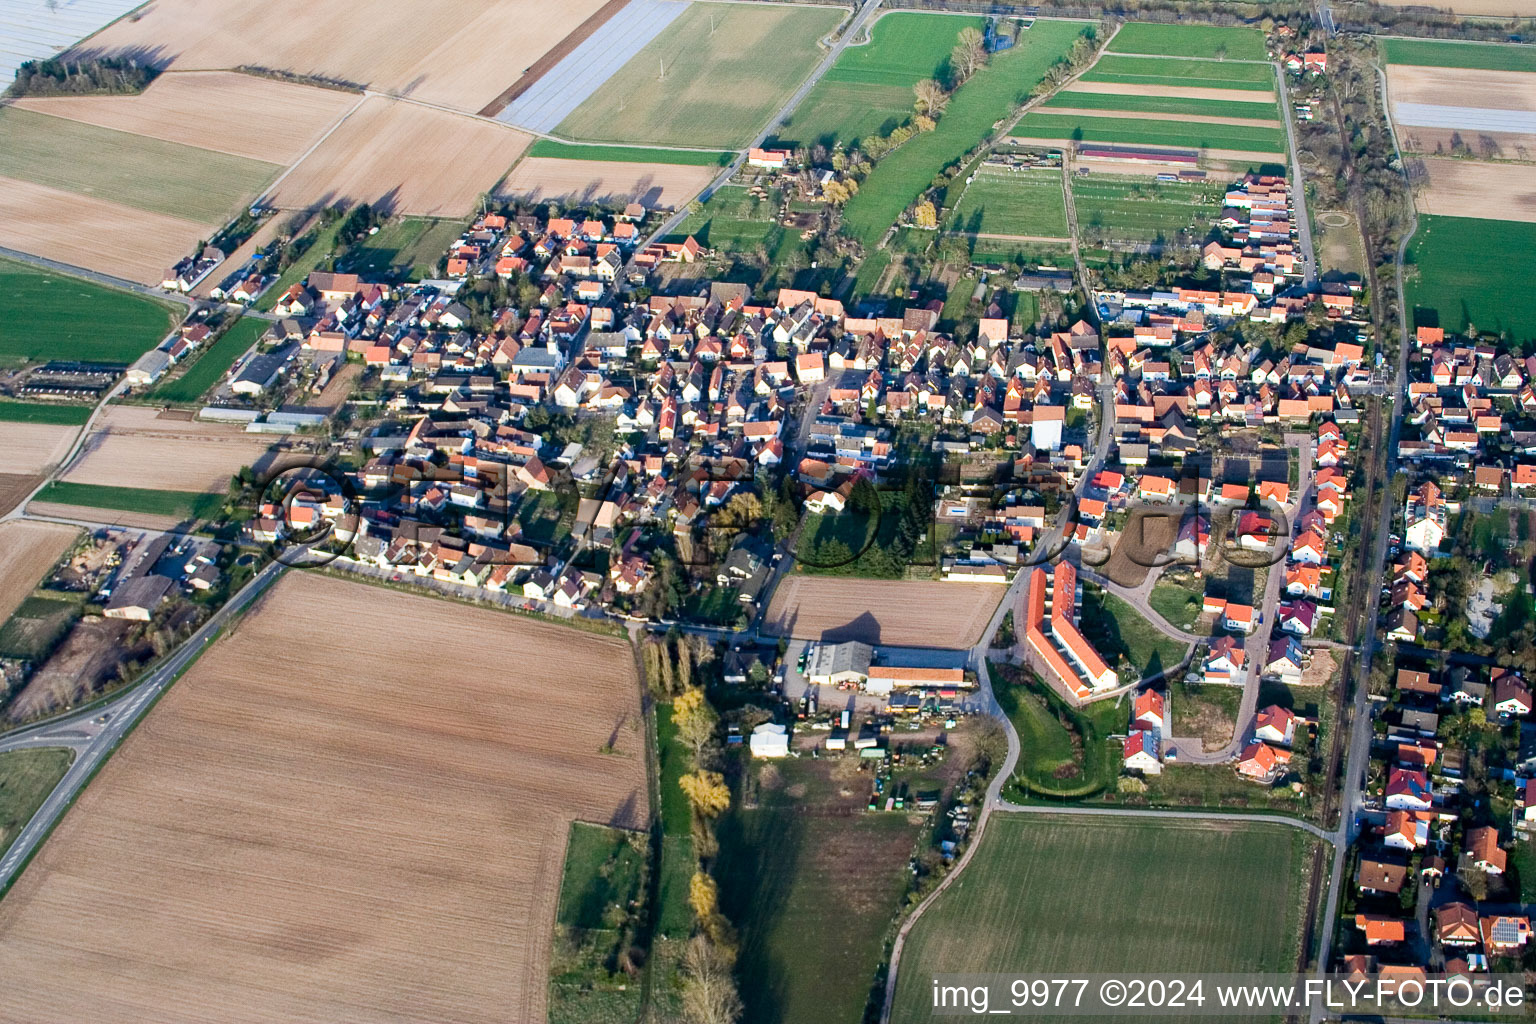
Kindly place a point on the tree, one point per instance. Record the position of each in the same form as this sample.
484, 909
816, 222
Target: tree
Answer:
706, 792
695, 721
969, 54
709, 991
703, 896
925, 216
931, 97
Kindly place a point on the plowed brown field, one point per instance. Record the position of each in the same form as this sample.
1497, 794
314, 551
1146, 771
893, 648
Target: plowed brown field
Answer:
133, 244
27, 550
1189, 92
1467, 188
460, 53
406, 158
1462, 87
31, 447
903, 613
354, 807
542, 178
131, 446
244, 115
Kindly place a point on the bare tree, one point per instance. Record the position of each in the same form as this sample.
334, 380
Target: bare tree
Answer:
969, 54
709, 991
931, 97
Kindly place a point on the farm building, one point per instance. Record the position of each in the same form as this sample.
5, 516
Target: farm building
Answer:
832, 664
885, 678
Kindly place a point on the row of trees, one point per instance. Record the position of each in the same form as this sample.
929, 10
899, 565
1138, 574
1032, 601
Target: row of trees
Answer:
709, 993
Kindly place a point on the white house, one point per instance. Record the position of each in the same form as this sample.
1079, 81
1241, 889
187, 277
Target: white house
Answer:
1141, 754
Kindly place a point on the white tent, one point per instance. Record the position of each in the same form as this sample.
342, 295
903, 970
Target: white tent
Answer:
770, 740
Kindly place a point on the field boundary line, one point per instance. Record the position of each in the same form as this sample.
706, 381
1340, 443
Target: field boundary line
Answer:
272, 186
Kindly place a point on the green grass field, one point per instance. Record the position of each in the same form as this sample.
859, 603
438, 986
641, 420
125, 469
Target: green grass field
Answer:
1057, 895
728, 68
178, 504
1065, 751
405, 249
732, 220
26, 779
1465, 271
812, 882
1204, 74
631, 154
1141, 209
42, 412
52, 316
1439, 53
1008, 202
1189, 41
1181, 606
869, 90
134, 170
993, 93
1137, 132
212, 365
1119, 631
1165, 105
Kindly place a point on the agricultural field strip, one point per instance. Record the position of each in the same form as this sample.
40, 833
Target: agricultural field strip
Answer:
33, 31
1455, 54
713, 79
143, 173
1139, 131
567, 85
1193, 109
1181, 72
1221, 44
1472, 188
1477, 119
132, 447
457, 54
276, 121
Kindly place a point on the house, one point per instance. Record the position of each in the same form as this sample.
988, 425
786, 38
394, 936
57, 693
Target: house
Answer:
1275, 724
1525, 803
1406, 830
1425, 516
1243, 618
1409, 790
768, 159
1481, 847
1504, 934
1262, 762
1141, 752
1510, 695
1381, 930
1457, 924
769, 740
1417, 683
1381, 873
1149, 710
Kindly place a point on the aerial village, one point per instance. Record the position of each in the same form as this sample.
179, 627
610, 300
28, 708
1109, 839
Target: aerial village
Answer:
562, 433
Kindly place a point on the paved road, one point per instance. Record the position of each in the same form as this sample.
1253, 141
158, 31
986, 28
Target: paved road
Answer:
864, 14
93, 741
1298, 189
